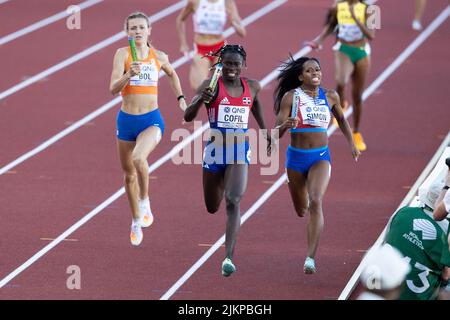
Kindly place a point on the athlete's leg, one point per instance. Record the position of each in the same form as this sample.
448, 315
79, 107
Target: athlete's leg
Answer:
343, 69
298, 191
213, 188
125, 150
318, 178
199, 71
146, 142
235, 186
419, 8
359, 77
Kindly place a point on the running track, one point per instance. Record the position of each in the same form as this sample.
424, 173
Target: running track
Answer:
404, 122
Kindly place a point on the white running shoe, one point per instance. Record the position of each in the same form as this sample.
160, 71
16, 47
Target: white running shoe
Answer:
145, 213
416, 25
136, 234
228, 267
310, 266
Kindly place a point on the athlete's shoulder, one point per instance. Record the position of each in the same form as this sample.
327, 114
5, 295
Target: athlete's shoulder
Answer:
330, 92
161, 55
289, 95
193, 4
121, 53
331, 95
253, 83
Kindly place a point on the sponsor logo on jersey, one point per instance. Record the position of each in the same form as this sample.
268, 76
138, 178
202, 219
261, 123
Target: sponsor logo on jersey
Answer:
225, 101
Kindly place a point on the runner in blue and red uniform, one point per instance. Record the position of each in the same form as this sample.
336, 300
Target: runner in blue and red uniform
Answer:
227, 154
305, 108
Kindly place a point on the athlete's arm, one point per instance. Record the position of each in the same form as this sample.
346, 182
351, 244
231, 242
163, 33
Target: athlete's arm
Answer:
181, 25
284, 121
192, 110
257, 112
120, 78
235, 19
370, 34
327, 30
335, 104
174, 81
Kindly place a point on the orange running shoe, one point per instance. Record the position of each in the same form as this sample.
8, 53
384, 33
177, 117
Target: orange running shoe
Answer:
136, 234
359, 141
145, 213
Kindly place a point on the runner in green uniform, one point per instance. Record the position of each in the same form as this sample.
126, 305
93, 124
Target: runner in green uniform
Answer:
424, 244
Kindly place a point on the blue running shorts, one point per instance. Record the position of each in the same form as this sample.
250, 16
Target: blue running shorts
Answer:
129, 126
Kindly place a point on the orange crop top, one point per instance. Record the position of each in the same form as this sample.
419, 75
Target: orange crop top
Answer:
145, 82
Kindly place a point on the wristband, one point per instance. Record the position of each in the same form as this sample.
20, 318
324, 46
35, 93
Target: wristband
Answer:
181, 97
445, 188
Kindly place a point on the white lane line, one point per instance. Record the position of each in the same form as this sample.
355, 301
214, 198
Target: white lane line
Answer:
3, 1
112, 198
98, 209
354, 279
247, 21
369, 91
44, 22
87, 52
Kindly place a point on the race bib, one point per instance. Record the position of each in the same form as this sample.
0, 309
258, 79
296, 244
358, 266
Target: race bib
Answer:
148, 77
233, 117
313, 113
211, 21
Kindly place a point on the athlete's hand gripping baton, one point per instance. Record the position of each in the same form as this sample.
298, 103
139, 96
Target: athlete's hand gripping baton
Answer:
215, 77
132, 48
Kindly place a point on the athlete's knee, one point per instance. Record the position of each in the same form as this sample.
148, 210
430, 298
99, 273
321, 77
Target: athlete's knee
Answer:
139, 161
301, 211
315, 203
212, 207
130, 177
233, 200
357, 98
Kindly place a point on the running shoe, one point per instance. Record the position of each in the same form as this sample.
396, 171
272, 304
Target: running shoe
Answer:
416, 25
145, 213
359, 141
136, 234
228, 267
310, 266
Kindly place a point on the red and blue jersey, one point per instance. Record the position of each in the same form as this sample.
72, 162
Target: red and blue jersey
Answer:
227, 112
314, 114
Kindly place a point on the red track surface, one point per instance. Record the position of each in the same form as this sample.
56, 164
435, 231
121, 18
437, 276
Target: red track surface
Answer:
404, 122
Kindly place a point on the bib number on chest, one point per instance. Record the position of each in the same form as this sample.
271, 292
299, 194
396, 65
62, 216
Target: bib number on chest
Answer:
148, 76
233, 117
317, 116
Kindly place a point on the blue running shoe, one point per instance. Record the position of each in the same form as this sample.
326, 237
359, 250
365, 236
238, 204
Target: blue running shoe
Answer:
310, 266
228, 267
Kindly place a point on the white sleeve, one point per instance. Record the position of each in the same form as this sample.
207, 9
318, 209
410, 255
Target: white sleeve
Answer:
447, 201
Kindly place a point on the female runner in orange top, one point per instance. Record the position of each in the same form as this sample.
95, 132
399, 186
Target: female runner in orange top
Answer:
139, 123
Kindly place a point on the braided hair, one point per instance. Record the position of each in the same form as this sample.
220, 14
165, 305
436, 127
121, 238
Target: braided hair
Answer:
229, 48
288, 78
